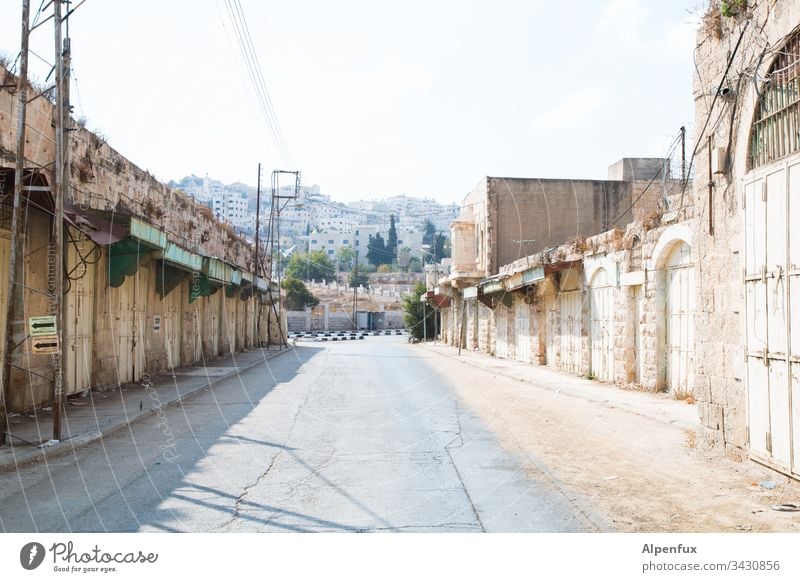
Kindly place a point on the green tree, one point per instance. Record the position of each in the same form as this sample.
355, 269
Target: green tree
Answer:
391, 241
297, 295
418, 319
428, 234
415, 265
441, 247
358, 278
314, 265
376, 250
345, 256
385, 268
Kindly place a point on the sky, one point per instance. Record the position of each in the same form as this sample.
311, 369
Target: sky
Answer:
374, 99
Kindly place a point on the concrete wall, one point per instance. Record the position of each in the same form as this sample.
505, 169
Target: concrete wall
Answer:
549, 213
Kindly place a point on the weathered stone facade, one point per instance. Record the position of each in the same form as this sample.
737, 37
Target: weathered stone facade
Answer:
124, 317
735, 56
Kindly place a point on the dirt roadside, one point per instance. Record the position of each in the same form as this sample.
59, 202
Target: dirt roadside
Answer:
642, 473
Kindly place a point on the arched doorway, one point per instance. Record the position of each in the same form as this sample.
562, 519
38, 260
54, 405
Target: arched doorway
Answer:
601, 326
679, 318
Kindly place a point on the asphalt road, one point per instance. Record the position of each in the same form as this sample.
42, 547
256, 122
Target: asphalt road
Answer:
353, 437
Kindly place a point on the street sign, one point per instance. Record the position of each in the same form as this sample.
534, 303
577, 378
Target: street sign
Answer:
42, 325
45, 344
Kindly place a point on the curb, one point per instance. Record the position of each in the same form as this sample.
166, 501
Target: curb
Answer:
83, 439
627, 408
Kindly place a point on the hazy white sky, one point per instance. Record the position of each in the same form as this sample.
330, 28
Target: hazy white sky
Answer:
378, 98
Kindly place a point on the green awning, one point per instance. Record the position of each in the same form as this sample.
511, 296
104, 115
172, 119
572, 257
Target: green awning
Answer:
217, 270
201, 286
533, 275
182, 258
168, 277
125, 255
175, 265
492, 287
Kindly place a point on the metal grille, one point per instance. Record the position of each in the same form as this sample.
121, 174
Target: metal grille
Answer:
776, 129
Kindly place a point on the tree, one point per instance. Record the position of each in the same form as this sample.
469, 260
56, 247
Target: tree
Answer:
385, 269
297, 295
376, 250
415, 265
441, 248
358, 278
345, 256
391, 241
314, 265
418, 319
428, 234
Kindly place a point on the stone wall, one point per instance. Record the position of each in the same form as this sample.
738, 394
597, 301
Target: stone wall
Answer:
744, 45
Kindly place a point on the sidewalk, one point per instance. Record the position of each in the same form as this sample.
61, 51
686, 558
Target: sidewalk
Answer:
87, 419
656, 406
630, 461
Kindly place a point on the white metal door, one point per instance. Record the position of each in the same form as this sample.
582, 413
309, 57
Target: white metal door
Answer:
197, 308
680, 321
601, 331
793, 283
216, 321
131, 308
501, 325
773, 338
522, 323
229, 323
79, 314
550, 329
571, 331
172, 325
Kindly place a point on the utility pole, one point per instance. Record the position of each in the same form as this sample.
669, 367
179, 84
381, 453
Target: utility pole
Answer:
22, 100
276, 208
61, 190
257, 318
683, 156
355, 295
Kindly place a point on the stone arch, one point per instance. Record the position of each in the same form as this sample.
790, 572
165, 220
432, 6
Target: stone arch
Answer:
677, 238
672, 235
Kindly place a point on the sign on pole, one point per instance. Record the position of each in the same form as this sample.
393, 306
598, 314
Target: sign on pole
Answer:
42, 325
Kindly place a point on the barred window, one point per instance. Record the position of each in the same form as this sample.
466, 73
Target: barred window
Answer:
776, 127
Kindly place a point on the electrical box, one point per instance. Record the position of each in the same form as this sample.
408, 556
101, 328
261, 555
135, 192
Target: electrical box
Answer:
718, 160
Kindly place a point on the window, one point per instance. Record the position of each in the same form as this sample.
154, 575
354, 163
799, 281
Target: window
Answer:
313, 241
330, 251
399, 241
330, 241
775, 132
357, 233
345, 242
357, 242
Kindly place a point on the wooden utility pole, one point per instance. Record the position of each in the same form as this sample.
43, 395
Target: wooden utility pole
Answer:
22, 100
256, 296
60, 190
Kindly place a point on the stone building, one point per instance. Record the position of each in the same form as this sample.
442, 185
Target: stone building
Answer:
504, 219
152, 280
747, 189
614, 302
696, 299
